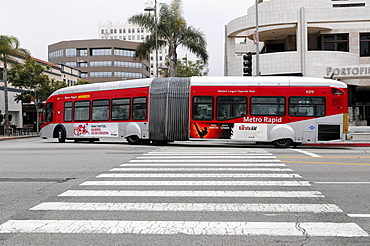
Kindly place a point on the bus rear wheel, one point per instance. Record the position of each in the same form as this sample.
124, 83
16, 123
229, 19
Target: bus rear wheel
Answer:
133, 139
283, 143
61, 135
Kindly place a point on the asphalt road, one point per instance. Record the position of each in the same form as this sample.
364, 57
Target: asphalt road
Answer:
184, 193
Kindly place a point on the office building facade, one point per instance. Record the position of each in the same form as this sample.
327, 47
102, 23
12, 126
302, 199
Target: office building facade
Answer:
100, 60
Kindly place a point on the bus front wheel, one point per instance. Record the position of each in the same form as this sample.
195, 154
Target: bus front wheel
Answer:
61, 135
133, 139
283, 143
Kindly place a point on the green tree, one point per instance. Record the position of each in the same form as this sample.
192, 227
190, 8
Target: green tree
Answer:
37, 85
172, 31
9, 49
186, 68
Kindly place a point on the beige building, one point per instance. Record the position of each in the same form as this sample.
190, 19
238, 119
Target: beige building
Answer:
316, 38
26, 114
100, 60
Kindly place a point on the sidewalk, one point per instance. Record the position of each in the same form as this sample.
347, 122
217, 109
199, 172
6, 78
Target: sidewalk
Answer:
18, 137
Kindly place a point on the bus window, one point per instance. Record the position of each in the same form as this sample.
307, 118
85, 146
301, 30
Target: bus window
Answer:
68, 111
121, 109
100, 110
82, 111
231, 107
268, 106
139, 108
307, 106
202, 108
49, 112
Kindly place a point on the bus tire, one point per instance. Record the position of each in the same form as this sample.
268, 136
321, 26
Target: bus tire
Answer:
61, 135
283, 143
133, 139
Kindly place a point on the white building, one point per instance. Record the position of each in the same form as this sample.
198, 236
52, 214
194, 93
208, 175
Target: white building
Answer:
129, 32
316, 38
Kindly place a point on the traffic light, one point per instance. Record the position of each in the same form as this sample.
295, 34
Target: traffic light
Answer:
247, 64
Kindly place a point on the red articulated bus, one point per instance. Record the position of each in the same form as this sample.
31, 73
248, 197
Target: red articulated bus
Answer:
282, 110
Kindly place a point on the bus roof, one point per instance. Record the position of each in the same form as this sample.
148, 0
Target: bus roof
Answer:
265, 81
124, 84
209, 81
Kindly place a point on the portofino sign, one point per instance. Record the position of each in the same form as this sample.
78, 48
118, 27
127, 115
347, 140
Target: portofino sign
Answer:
349, 71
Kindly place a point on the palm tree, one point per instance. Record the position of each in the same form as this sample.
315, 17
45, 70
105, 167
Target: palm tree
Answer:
9, 49
172, 31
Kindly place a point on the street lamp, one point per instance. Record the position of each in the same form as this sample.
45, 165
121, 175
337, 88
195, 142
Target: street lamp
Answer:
156, 34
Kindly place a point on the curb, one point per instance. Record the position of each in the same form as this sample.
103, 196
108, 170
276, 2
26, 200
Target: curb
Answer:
338, 144
17, 137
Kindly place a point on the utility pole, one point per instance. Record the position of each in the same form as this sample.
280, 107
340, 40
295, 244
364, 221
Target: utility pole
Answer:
256, 33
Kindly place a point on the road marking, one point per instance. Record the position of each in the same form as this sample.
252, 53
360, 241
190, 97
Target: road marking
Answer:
207, 157
330, 163
190, 193
180, 169
306, 153
206, 160
184, 227
191, 207
204, 165
202, 154
197, 183
199, 175
341, 182
359, 215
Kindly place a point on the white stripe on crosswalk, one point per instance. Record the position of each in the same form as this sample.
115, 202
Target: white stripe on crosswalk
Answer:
184, 227
206, 160
207, 157
199, 175
207, 153
204, 165
191, 207
191, 193
197, 183
181, 169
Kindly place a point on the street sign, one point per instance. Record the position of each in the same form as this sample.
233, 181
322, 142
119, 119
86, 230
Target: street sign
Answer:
255, 37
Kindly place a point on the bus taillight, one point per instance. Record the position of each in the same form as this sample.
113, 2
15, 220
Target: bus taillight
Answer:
335, 91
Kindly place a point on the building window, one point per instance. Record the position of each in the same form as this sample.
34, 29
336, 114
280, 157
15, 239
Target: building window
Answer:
364, 44
124, 52
100, 74
334, 42
128, 75
55, 54
100, 63
81, 52
128, 64
84, 75
101, 52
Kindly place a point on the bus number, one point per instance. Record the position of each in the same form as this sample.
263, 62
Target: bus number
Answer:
310, 92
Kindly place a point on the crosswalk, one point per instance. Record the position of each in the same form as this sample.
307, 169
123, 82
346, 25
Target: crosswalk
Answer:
220, 181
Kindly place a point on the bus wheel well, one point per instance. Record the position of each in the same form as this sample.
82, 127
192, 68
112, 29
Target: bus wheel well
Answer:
133, 139
283, 142
60, 133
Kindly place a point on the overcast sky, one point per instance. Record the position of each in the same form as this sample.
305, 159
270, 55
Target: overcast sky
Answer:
39, 23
